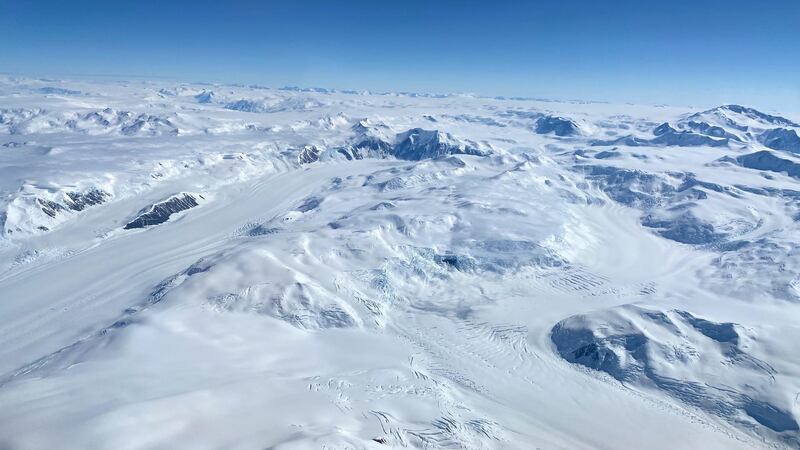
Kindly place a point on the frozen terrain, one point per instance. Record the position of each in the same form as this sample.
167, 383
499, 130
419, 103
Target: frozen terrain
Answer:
214, 266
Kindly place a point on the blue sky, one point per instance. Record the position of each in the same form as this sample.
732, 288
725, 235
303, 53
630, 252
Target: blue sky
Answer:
678, 52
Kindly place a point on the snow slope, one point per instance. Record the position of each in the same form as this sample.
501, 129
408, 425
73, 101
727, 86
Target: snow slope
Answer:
198, 266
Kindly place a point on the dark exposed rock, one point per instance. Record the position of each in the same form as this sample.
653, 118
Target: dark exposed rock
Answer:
710, 130
308, 154
458, 262
559, 126
417, 144
669, 137
607, 155
160, 212
722, 114
370, 141
651, 192
663, 129
147, 120
309, 204
78, 201
49, 207
630, 187
261, 230
630, 141
684, 228
781, 139
758, 115
205, 97
247, 106
57, 91
72, 201
766, 160
629, 344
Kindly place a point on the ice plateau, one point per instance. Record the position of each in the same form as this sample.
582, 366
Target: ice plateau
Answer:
217, 266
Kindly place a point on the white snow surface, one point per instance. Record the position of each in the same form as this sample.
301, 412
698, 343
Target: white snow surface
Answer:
379, 270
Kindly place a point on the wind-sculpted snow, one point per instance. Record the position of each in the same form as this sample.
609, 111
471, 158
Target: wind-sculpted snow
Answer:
399, 270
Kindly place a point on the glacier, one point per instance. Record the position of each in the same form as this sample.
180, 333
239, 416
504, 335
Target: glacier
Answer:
225, 266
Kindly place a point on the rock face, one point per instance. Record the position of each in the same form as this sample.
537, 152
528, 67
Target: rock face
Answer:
308, 154
710, 130
759, 116
160, 212
417, 144
75, 201
250, 106
766, 160
632, 187
149, 124
781, 139
559, 126
664, 128
684, 227
41, 212
741, 118
666, 136
78, 201
371, 141
688, 139
205, 97
734, 123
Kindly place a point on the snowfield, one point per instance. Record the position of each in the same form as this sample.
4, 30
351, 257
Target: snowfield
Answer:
214, 266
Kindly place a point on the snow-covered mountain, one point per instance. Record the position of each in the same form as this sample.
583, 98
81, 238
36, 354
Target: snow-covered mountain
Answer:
213, 266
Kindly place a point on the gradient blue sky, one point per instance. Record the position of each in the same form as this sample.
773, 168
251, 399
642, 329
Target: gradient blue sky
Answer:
679, 52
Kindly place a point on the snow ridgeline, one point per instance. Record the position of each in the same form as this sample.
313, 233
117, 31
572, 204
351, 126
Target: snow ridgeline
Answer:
372, 141
719, 127
39, 211
30, 214
23, 121
38, 208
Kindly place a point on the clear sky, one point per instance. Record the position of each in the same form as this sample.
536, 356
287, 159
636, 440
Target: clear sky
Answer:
681, 52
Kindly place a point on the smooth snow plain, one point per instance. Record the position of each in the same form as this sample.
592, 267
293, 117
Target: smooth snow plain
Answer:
213, 266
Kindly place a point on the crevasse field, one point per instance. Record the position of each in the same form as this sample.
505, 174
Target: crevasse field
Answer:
208, 266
